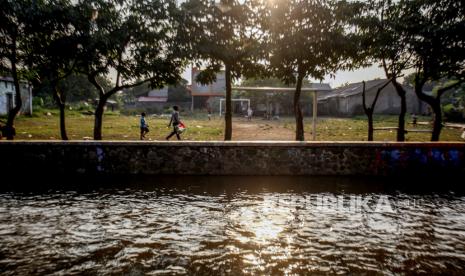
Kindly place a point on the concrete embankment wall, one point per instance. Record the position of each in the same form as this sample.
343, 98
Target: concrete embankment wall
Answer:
31, 158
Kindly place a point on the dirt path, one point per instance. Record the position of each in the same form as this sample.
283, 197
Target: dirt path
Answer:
259, 129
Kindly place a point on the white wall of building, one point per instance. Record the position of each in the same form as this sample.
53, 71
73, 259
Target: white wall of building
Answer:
7, 87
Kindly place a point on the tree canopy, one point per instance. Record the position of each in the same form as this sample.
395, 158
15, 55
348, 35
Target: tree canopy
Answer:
137, 40
307, 39
225, 34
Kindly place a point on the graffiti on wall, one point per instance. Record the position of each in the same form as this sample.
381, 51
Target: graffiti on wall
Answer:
389, 159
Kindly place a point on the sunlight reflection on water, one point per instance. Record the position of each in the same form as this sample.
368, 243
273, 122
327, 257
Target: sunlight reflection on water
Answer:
232, 229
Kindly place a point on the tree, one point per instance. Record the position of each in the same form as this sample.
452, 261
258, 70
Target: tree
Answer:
370, 110
434, 30
307, 40
35, 47
78, 88
16, 27
54, 52
454, 101
378, 25
75, 88
138, 40
179, 92
227, 34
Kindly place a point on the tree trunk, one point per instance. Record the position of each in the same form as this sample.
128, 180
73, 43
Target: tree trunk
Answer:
9, 129
103, 97
61, 105
64, 135
403, 110
435, 104
99, 118
228, 113
437, 125
370, 126
299, 122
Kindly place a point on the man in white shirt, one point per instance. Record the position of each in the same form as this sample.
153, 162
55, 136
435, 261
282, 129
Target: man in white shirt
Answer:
249, 114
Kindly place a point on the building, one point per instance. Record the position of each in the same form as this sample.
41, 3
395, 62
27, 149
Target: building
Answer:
159, 100
348, 100
8, 94
207, 96
154, 101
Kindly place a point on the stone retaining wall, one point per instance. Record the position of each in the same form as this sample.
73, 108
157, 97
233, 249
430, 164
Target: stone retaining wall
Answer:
231, 158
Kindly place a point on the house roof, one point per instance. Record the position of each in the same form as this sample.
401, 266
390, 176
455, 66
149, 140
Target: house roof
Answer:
319, 87
10, 79
158, 92
153, 99
353, 89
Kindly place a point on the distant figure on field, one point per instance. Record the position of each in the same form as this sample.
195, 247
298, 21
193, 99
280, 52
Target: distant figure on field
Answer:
249, 114
144, 128
175, 122
209, 114
414, 119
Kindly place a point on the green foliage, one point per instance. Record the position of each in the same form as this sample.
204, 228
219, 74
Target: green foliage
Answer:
74, 88
37, 102
307, 38
68, 49
224, 32
78, 88
452, 113
434, 30
136, 39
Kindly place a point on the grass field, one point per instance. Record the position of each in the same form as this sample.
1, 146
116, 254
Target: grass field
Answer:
122, 127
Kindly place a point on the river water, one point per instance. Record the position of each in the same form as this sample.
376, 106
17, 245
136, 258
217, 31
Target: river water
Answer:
232, 225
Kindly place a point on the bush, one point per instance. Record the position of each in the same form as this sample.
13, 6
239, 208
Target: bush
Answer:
37, 102
452, 113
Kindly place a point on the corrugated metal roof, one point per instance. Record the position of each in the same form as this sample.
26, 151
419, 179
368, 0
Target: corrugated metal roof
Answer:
319, 87
6, 79
153, 99
354, 89
158, 92
10, 79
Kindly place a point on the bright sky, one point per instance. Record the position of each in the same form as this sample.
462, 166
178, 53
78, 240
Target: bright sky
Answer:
342, 77
364, 74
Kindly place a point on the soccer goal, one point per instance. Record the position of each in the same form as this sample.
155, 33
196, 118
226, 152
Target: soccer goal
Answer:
234, 100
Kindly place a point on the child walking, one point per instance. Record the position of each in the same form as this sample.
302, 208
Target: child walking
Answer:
144, 128
175, 122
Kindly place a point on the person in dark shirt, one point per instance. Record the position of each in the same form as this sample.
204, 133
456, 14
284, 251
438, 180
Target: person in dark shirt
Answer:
144, 128
175, 122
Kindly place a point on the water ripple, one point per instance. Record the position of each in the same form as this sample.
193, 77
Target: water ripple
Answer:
168, 231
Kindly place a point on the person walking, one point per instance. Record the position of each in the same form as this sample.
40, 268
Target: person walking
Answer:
175, 122
144, 128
